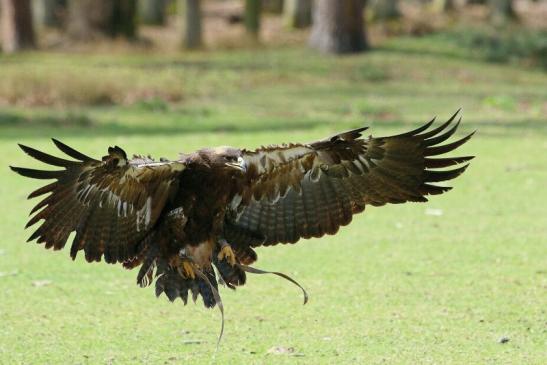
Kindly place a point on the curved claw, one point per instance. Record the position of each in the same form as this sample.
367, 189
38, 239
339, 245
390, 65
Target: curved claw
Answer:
187, 269
226, 253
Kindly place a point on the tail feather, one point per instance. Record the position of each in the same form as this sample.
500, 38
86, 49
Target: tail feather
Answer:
232, 276
205, 289
174, 285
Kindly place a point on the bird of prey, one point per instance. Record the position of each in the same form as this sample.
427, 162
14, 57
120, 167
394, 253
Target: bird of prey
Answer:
179, 219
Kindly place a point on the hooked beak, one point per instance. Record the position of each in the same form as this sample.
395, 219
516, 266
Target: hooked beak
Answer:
239, 165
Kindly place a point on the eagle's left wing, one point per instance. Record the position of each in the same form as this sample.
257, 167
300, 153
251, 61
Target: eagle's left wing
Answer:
309, 190
112, 204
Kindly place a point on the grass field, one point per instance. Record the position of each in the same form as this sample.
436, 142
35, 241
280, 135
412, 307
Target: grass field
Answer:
398, 286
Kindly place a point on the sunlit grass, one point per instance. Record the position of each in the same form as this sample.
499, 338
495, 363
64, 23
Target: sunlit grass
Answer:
396, 286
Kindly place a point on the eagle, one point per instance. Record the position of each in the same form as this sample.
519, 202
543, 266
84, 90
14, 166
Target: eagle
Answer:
194, 222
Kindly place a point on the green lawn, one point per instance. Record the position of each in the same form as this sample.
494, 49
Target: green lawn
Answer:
398, 286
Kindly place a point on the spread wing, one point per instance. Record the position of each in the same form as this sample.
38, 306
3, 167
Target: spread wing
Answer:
309, 190
112, 204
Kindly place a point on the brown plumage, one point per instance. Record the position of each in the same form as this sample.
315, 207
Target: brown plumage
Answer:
179, 219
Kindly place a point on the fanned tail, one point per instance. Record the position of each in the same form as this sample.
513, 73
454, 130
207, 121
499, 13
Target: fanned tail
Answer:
174, 285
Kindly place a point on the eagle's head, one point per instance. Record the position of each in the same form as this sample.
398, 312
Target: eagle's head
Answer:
224, 158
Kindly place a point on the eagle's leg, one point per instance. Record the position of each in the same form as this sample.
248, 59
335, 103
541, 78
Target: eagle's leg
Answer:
226, 252
187, 268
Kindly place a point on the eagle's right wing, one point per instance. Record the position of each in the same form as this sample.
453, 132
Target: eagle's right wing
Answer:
309, 190
112, 204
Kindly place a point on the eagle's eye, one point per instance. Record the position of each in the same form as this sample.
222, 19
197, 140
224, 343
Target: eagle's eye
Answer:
236, 162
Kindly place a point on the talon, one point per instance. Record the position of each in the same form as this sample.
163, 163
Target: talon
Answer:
226, 253
187, 270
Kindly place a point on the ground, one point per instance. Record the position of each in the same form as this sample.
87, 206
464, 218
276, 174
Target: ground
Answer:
461, 279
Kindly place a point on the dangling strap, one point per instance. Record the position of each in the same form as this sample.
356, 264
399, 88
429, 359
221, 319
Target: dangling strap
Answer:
254, 270
218, 300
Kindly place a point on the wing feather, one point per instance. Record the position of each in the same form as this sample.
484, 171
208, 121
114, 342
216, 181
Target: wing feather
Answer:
111, 204
308, 190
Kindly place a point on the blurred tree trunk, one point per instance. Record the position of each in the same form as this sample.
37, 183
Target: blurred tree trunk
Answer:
48, 13
442, 6
384, 9
88, 19
338, 26
124, 20
252, 17
191, 18
297, 13
152, 11
272, 6
17, 27
501, 10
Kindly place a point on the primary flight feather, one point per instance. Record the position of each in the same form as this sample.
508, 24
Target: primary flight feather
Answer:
177, 219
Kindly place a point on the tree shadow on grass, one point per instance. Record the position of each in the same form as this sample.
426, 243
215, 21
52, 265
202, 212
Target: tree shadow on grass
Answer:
9, 120
14, 126
77, 125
